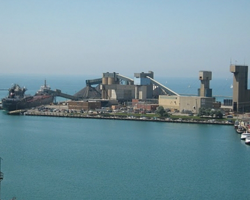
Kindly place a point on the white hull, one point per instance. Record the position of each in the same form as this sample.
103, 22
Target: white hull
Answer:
244, 135
247, 140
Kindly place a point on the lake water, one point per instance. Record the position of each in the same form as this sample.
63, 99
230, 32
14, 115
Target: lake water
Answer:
66, 158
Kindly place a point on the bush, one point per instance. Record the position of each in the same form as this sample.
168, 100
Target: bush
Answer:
161, 112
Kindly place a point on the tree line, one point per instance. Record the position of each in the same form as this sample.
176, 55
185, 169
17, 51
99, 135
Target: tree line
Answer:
215, 113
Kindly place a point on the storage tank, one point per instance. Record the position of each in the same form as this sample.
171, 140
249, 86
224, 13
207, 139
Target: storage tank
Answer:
104, 80
111, 80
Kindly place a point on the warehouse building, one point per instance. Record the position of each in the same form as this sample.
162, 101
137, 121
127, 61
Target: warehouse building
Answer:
191, 103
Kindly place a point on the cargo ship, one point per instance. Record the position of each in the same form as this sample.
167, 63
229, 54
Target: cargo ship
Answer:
17, 100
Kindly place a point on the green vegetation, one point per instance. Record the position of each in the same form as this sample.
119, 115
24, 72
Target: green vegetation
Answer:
215, 113
209, 115
161, 112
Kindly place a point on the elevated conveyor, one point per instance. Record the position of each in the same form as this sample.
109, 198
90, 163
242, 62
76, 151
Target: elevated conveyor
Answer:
165, 89
89, 92
60, 94
129, 80
93, 82
99, 80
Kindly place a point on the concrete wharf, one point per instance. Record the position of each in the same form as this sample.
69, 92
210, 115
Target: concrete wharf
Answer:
127, 118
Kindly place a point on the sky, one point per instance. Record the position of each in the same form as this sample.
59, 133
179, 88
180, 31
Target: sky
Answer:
172, 38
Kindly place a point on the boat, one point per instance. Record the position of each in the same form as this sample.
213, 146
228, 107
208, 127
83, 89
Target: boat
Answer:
17, 100
240, 130
247, 140
236, 124
244, 135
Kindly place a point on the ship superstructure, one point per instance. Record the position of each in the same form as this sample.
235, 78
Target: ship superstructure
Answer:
17, 99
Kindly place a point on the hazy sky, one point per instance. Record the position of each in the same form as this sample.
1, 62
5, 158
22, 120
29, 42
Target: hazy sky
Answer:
170, 37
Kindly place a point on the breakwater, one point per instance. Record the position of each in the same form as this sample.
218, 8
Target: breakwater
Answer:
128, 118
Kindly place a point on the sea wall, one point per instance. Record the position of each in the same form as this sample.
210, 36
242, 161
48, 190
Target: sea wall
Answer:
128, 118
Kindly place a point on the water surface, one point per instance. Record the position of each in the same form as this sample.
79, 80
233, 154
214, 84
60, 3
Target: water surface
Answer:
65, 158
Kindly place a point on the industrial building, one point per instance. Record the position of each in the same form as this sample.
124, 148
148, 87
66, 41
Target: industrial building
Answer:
143, 85
191, 103
91, 104
121, 88
241, 94
205, 77
84, 105
114, 87
143, 88
117, 87
144, 106
186, 103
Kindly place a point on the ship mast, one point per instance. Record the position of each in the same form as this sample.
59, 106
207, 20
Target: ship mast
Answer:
1, 177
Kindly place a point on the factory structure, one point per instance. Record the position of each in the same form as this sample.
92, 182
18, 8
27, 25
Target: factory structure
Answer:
114, 86
192, 103
144, 92
241, 94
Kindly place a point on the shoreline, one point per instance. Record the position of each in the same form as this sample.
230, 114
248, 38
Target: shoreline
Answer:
69, 115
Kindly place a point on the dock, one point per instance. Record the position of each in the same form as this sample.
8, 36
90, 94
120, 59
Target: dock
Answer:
16, 112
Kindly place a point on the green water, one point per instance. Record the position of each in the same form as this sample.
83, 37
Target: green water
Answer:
64, 158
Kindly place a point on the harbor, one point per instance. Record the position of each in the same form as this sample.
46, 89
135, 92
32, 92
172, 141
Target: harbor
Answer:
115, 96
242, 127
118, 146
113, 91
127, 100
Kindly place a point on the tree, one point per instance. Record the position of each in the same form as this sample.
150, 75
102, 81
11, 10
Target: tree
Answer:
213, 113
202, 111
219, 114
161, 112
210, 112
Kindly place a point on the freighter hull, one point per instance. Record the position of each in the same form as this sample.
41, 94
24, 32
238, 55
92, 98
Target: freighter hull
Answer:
16, 100
9, 104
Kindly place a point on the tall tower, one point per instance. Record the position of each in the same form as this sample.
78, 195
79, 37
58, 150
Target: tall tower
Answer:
108, 79
143, 85
241, 100
204, 90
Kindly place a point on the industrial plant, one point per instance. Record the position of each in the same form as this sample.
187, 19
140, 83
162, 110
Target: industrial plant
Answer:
144, 92
241, 94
